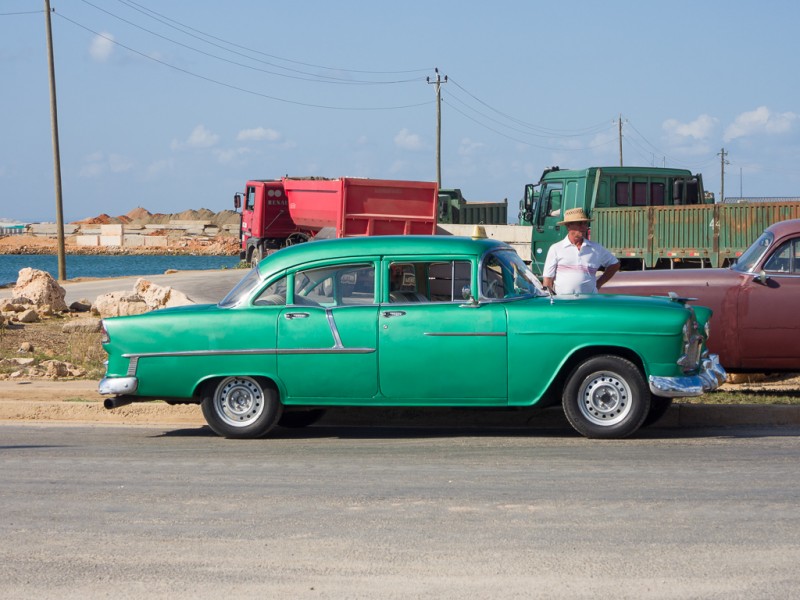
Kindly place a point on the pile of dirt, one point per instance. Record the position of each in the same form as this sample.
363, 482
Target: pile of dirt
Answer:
102, 219
142, 216
139, 214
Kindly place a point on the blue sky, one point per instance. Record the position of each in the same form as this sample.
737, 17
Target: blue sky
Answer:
173, 105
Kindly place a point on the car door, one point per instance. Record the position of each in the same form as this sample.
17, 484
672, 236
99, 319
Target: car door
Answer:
769, 312
327, 336
437, 348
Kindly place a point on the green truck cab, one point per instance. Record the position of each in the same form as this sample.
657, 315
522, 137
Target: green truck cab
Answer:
618, 196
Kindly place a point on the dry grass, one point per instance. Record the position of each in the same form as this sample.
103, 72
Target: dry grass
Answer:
51, 343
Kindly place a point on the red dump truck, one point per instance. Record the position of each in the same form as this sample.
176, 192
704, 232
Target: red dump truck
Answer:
281, 212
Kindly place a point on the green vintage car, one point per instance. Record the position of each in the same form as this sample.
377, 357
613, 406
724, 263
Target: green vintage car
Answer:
418, 321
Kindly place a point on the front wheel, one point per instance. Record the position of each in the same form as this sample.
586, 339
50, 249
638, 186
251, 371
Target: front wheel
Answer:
241, 407
606, 397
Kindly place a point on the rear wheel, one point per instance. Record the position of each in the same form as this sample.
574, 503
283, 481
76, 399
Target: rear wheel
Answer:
606, 397
241, 407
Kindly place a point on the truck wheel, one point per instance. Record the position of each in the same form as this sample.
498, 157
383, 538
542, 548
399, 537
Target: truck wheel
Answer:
606, 397
256, 256
296, 238
241, 407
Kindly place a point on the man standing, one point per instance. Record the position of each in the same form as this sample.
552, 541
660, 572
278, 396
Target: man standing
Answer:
574, 261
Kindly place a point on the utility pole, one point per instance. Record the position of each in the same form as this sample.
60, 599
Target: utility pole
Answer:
62, 266
438, 83
722, 154
620, 139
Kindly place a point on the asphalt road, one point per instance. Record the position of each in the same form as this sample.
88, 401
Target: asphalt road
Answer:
201, 286
351, 512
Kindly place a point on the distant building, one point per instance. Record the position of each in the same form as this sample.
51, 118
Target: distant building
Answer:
737, 200
12, 227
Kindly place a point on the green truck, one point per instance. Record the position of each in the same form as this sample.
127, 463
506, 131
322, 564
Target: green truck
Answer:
649, 217
455, 209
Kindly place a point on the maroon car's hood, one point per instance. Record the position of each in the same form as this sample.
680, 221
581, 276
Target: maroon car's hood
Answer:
674, 280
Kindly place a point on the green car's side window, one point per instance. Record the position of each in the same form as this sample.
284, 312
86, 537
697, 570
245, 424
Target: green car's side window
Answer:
426, 281
339, 285
450, 281
273, 294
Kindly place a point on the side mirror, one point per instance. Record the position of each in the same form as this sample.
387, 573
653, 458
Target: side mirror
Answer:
762, 277
237, 201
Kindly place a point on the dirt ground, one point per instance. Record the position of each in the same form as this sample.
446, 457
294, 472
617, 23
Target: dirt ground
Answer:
25, 398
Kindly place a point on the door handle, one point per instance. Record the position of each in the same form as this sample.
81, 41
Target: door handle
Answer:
393, 313
296, 315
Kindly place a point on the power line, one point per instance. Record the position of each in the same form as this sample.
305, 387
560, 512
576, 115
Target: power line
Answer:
27, 12
144, 10
235, 87
545, 130
520, 131
311, 76
523, 141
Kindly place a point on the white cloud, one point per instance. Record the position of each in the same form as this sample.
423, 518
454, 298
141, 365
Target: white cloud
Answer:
467, 147
259, 134
408, 141
230, 155
760, 120
699, 129
91, 170
101, 47
97, 163
119, 164
199, 138
397, 166
158, 167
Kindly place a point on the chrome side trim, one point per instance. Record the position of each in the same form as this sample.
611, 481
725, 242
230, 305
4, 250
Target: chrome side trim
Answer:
710, 378
132, 366
337, 340
467, 334
268, 351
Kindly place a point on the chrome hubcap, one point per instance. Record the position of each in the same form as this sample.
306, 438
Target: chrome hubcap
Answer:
605, 399
239, 401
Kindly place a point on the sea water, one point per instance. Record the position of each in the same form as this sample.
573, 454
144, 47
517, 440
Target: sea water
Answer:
108, 265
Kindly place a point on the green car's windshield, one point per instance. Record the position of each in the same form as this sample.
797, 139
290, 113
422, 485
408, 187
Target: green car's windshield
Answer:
505, 275
750, 257
242, 290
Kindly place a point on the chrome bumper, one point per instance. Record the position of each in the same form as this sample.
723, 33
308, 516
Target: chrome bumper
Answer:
118, 385
710, 378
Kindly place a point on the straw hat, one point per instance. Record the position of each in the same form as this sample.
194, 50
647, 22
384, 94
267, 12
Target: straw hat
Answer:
574, 215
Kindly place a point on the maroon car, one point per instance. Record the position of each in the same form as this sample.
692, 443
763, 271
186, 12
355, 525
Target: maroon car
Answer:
756, 302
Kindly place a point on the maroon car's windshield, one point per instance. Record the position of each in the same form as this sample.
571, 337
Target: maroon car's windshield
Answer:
750, 257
